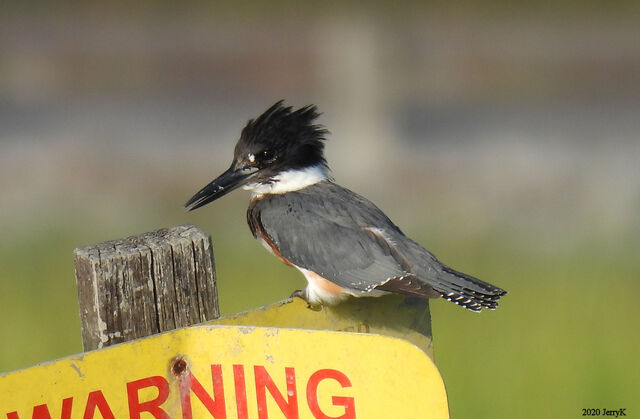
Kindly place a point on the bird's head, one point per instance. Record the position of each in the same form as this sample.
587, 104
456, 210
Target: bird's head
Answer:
280, 151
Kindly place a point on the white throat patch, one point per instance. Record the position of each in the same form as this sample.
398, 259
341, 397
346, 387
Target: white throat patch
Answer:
289, 181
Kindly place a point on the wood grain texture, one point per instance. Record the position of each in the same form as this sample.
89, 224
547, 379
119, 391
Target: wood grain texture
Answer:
135, 287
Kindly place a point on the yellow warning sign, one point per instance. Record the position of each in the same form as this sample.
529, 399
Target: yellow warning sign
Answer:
233, 372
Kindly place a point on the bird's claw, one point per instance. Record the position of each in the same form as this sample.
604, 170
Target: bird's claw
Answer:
299, 294
302, 295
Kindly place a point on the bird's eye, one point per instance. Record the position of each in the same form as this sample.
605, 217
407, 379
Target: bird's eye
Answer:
268, 156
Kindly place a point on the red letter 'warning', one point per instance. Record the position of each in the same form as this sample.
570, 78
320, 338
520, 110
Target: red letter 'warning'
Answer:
264, 381
152, 406
214, 405
312, 395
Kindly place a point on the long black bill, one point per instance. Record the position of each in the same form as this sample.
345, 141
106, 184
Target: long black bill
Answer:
222, 185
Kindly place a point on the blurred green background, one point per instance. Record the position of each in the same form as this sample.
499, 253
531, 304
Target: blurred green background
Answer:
503, 136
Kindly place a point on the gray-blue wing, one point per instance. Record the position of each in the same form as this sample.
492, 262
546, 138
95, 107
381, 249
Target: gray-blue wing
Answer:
332, 234
346, 239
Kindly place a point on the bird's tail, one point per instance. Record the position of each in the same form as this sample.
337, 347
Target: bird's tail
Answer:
467, 291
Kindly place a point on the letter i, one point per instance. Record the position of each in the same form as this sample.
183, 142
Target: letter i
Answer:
241, 391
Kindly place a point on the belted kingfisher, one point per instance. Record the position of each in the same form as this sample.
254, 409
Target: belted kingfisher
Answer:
342, 243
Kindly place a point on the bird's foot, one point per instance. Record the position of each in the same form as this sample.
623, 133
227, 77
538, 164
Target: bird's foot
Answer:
303, 296
299, 294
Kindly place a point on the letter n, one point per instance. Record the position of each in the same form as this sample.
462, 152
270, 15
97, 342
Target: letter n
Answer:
215, 405
264, 381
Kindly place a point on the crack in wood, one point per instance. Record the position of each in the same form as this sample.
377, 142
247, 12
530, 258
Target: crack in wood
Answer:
138, 286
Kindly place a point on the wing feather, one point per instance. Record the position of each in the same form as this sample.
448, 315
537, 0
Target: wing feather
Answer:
329, 233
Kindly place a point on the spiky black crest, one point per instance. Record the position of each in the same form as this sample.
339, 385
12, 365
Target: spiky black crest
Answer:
288, 133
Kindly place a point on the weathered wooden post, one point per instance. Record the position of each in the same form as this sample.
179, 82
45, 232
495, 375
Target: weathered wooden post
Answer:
142, 285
